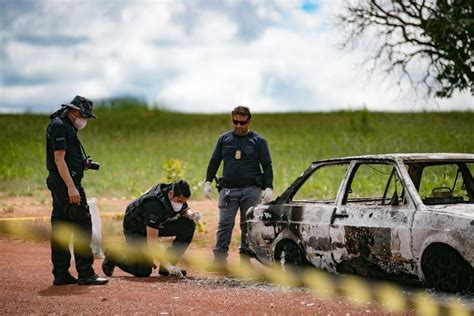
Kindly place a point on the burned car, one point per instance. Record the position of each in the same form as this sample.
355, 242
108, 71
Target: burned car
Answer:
408, 217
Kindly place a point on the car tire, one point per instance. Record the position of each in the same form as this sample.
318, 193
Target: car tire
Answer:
444, 269
290, 256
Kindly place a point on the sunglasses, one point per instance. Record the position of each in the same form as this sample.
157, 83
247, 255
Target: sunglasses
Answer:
240, 122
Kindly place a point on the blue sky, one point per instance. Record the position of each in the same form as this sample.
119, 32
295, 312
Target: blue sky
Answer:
192, 56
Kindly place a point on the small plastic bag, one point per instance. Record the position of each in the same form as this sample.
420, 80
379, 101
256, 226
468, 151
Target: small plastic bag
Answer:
96, 242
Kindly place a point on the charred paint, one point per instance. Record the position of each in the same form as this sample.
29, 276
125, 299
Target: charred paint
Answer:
365, 241
363, 267
323, 244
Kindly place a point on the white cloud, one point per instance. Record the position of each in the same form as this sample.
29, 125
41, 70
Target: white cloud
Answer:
195, 57
213, 28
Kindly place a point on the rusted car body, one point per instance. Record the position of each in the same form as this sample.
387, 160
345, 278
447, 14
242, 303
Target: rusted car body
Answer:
402, 216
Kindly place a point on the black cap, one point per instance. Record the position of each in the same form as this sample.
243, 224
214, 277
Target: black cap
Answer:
82, 104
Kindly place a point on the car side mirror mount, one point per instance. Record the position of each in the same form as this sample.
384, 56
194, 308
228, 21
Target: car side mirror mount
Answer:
394, 200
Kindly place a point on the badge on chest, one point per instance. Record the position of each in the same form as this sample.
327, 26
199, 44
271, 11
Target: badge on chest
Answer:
238, 154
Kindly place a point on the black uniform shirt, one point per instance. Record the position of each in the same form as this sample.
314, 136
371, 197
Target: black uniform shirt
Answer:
151, 212
254, 158
154, 213
62, 135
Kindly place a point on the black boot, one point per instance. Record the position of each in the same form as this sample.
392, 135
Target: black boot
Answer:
219, 264
92, 280
108, 266
64, 280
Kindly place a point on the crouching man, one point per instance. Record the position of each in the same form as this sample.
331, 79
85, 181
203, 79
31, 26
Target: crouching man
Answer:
161, 211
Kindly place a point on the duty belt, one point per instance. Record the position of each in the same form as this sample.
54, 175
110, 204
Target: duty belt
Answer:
235, 184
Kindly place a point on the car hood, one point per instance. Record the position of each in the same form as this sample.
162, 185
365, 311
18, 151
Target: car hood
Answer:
460, 210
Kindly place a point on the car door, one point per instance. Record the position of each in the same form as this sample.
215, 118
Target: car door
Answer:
309, 212
371, 227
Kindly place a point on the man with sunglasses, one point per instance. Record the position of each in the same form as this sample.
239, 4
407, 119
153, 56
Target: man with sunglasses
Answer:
161, 211
247, 171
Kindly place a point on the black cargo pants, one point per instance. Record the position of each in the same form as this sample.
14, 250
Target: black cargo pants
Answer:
138, 262
70, 223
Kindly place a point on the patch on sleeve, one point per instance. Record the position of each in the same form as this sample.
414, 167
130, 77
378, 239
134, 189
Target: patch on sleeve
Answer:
59, 139
154, 219
59, 143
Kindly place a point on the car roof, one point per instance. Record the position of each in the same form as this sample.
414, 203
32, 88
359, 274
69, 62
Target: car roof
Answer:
407, 157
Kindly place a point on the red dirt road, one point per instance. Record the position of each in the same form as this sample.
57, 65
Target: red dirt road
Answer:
26, 288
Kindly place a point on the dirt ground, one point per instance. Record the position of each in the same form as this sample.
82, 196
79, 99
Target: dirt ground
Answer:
26, 286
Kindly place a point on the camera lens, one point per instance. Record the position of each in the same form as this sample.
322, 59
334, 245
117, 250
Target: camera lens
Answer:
94, 165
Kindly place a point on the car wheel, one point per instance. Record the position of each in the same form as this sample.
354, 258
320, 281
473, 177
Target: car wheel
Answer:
290, 256
446, 270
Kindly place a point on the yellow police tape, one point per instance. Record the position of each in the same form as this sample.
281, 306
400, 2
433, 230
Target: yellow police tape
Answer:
36, 203
43, 218
321, 284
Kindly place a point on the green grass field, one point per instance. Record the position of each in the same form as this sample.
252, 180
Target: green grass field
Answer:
134, 144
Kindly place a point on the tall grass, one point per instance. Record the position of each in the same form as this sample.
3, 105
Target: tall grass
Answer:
133, 143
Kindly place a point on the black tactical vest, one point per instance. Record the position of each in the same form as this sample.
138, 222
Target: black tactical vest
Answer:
135, 216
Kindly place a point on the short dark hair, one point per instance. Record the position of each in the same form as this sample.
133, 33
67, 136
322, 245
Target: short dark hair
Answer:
242, 110
181, 187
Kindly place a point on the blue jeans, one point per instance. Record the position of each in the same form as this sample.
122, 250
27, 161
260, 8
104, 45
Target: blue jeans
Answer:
230, 200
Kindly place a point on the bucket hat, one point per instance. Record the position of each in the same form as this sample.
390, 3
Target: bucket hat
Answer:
82, 104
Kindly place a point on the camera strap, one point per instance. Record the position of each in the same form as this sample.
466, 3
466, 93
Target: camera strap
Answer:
84, 155
82, 150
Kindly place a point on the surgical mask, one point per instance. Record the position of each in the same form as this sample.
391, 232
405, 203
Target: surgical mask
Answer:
176, 206
80, 122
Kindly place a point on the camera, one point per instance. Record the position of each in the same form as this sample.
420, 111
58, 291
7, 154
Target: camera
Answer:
90, 164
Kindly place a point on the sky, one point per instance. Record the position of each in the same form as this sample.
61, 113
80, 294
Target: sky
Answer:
199, 56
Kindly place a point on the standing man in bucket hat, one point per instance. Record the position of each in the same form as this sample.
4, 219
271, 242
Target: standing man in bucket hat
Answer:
66, 161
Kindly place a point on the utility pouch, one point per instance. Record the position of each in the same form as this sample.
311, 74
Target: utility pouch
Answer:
219, 183
77, 212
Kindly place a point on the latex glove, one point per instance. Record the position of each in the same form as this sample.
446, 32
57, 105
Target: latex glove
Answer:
196, 216
207, 189
267, 195
174, 270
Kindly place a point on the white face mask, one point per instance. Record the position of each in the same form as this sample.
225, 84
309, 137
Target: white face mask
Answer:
80, 122
176, 206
